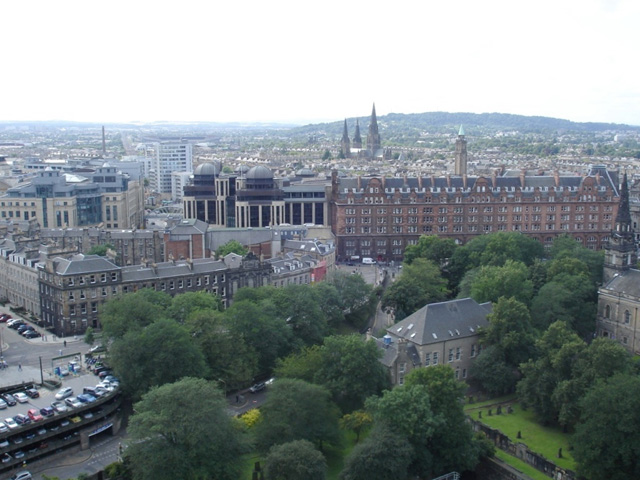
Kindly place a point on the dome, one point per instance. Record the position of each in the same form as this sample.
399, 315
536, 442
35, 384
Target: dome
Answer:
305, 172
259, 172
208, 168
242, 169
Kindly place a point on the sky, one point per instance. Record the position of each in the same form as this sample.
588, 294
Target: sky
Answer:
305, 62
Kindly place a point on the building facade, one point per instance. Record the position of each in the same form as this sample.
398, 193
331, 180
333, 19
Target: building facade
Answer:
72, 290
379, 217
170, 157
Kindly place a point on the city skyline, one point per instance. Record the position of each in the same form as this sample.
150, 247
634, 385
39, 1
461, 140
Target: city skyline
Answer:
286, 62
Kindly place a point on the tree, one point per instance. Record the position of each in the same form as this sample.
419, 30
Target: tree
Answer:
295, 460
607, 438
351, 370
406, 410
101, 250
89, 336
419, 284
356, 421
297, 410
232, 246
431, 247
182, 430
492, 372
384, 455
509, 280
162, 352
298, 305
133, 311
186, 303
354, 297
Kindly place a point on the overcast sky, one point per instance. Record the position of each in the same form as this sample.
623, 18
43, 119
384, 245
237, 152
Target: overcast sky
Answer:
299, 61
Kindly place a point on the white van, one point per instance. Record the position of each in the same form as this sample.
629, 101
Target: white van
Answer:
368, 261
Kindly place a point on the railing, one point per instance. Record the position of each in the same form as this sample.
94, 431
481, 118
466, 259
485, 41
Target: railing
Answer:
448, 476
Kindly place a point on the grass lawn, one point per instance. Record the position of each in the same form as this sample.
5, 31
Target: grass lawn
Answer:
543, 440
520, 465
469, 407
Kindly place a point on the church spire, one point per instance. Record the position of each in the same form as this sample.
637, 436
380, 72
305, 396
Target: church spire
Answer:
373, 139
357, 139
620, 252
623, 217
345, 144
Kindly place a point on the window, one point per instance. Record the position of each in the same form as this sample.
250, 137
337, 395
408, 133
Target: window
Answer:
627, 317
450, 355
458, 353
473, 350
607, 311
435, 358
427, 359
103, 277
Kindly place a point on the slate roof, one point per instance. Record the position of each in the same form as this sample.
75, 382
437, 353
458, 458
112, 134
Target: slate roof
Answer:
81, 264
627, 283
135, 273
437, 322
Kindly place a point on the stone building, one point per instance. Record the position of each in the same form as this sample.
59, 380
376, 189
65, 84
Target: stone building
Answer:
618, 314
379, 217
72, 290
438, 333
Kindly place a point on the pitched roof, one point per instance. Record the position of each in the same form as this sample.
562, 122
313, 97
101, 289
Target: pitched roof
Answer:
436, 322
627, 283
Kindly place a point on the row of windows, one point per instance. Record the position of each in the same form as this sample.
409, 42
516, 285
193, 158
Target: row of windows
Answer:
626, 318
472, 228
474, 209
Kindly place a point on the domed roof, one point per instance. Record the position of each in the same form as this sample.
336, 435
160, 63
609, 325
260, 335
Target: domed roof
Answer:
242, 169
305, 172
208, 168
259, 172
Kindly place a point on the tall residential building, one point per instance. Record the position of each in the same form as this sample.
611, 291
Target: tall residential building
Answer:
171, 157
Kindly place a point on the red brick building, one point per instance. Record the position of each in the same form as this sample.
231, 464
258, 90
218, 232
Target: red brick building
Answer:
379, 217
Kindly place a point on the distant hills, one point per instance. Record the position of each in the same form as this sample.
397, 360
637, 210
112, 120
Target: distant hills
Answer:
474, 123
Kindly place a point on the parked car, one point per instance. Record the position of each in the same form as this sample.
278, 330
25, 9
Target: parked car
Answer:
8, 398
86, 398
18, 454
15, 325
3, 428
64, 422
24, 475
257, 387
105, 373
31, 334
4, 443
47, 411
11, 423
24, 327
73, 402
41, 431
64, 393
6, 458
96, 349
5, 317
59, 407
22, 419
21, 397
34, 415
3, 404
93, 391
75, 366
32, 392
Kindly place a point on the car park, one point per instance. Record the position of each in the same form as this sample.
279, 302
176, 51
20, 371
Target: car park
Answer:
17, 439
64, 422
24, 475
24, 327
257, 387
5, 317
46, 411
59, 407
87, 415
64, 393
34, 415
32, 392
11, 423
21, 397
105, 374
6, 458
8, 398
18, 454
96, 349
16, 325
4, 443
41, 431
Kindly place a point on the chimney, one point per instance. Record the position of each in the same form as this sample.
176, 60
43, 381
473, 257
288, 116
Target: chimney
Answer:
556, 177
448, 181
104, 143
494, 178
523, 174
464, 181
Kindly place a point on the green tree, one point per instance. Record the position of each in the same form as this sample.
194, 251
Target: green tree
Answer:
162, 352
431, 247
509, 280
383, 455
185, 304
295, 460
355, 297
607, 439
89, 336
297, 410
300, 308
101, 250
419, 284
492, 373
232, 246
182, 430
133, 311
351, 370
407, 411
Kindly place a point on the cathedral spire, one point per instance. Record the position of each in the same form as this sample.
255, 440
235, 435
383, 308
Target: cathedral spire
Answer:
357, 139
623, 217
373, 139
620, 252
345, 144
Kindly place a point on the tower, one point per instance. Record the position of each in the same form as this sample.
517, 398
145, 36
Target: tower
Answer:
345, 144
461, 154
620, 252
357, 139
373, 138
104, 143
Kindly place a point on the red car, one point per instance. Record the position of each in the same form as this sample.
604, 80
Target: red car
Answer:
34, 415
4, 317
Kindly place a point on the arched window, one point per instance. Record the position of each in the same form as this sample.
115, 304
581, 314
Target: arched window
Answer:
627, 317
607, 311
